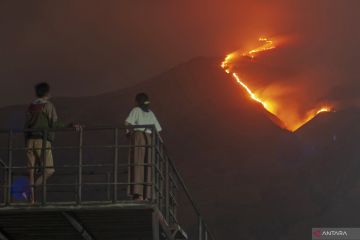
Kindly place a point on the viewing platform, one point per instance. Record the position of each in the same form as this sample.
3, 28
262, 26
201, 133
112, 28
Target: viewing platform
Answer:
87, 197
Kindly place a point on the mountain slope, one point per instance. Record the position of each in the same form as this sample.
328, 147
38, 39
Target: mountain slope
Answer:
332, 150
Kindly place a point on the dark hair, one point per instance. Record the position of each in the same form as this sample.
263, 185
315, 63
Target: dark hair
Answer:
142, 100
42, 89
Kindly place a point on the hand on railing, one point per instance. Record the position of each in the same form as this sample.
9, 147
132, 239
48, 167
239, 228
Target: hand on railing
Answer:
129, 133
78, 127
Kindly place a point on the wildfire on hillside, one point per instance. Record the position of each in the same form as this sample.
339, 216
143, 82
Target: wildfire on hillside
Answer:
292, 120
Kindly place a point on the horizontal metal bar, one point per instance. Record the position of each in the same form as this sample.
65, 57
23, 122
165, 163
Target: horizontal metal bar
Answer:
77, 147
85, 129
85, 165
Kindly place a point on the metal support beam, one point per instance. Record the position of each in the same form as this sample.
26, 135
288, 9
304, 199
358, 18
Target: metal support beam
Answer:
9, 175
156, 225
116, 165
178, 233
80, 168
2, 236
200, 229
78, 226
4, 172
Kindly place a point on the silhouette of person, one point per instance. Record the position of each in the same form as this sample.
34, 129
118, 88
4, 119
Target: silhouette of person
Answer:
140, 154
41, 115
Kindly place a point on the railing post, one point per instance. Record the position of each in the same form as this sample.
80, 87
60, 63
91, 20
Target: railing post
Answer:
80, 167
153, 164
116, 164
200, 228
44, 166
10, 158
167, 190
206, 235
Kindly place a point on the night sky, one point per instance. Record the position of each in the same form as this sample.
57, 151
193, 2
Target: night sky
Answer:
85, 47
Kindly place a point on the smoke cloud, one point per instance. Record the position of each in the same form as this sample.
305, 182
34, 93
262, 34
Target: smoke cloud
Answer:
85, 47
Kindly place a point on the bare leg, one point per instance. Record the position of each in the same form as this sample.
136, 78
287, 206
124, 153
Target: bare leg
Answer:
48, 173
49, 163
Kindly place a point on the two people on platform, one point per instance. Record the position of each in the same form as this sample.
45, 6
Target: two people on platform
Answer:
42, 120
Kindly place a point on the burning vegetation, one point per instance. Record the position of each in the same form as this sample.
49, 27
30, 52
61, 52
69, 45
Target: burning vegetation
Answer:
292, 119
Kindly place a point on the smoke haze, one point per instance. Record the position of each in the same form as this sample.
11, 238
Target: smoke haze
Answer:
85, 47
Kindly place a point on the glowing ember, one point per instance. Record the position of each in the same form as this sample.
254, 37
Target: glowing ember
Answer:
267, 45
324, 109
291, 123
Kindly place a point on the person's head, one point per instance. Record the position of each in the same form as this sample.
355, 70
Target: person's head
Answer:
142, 100
42, 90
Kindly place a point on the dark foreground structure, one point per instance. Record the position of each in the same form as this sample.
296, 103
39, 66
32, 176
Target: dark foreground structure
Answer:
87, 198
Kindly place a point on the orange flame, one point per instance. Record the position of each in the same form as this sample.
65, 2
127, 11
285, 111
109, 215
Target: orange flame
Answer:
310, 115
252, 95
266, 45
324, 109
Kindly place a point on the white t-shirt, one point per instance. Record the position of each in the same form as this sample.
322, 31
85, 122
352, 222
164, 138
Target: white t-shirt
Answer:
139, 117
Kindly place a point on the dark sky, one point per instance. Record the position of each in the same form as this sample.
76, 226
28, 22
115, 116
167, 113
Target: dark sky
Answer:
85, 47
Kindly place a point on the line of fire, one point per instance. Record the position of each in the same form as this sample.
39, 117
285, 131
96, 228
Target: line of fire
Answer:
290, 120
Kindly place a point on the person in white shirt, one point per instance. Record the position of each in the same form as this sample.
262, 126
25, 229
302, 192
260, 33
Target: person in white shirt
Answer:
140, 156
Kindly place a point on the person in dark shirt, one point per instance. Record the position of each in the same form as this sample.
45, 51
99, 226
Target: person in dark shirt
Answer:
41, 116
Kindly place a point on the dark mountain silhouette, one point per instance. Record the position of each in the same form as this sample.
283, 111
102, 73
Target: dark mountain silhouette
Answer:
332, 150
252, 179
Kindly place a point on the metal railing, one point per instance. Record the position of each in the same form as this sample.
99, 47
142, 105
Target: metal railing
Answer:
91, 173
